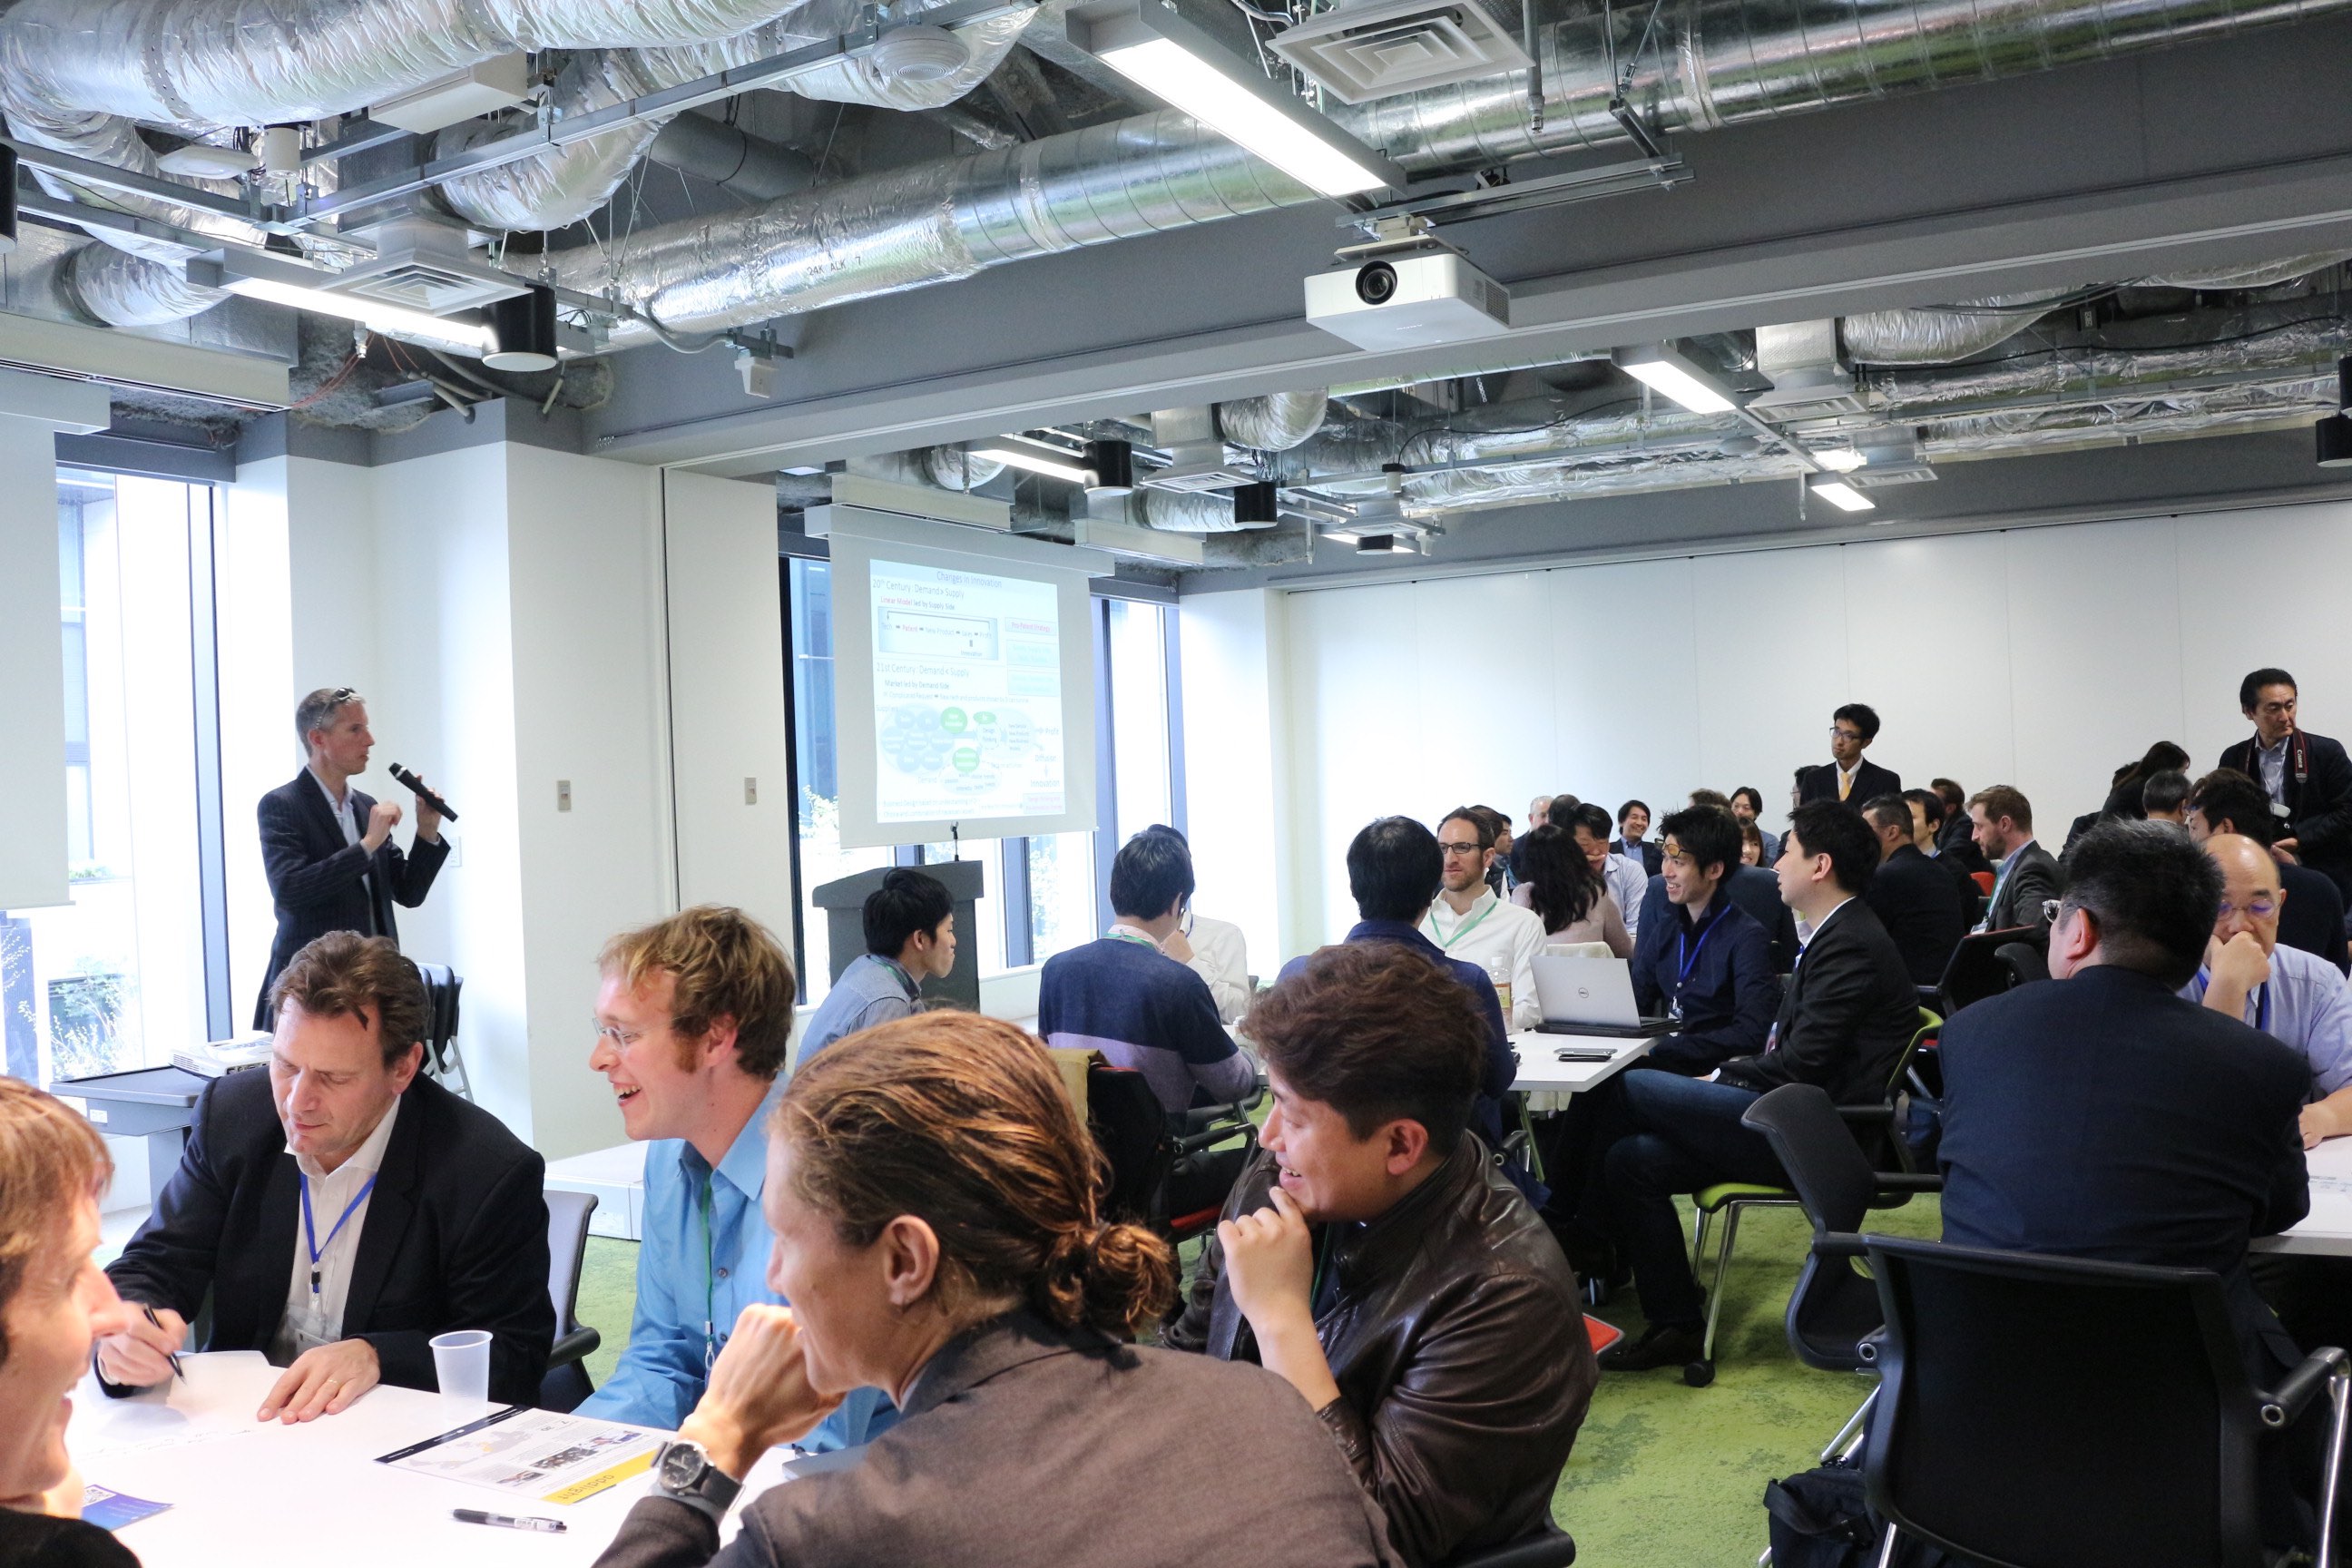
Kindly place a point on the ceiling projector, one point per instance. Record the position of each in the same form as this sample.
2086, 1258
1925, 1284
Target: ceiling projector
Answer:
1407, 296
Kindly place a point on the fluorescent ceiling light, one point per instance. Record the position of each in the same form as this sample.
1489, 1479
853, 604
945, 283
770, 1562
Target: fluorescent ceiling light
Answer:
1840, 459
1037, 462
261, 278
1839, 494
1151, 46
1668, 373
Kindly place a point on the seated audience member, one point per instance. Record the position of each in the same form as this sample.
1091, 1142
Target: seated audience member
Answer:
2027, 875
1632, 838
1394, 871
1375, 1259
1751, 845
1124, 997
1714, 797
1499, 875
1915, 898
975, 1279
411, 1212
1847, 776
909, 938
1588, 826
1927, 831
1213, 949
694, 1013
2296, 998
1707, 964
1567, 895
1468, 922
2104, 1115
2126, 801
1848, 1011
54, 1306
1539, 812
1754, 889
2163, 794
2226, 801
1956, 838
1747, 805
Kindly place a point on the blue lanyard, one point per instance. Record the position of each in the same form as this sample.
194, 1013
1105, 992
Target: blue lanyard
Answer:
1687, 959
310, 1231
2261, 998
709, 1284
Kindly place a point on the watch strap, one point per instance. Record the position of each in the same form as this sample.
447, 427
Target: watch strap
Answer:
710, 1492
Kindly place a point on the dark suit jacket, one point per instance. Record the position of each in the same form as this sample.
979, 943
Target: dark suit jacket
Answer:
2017, 900
1755, 890
1023, 1442
1849, 1010
1649, 855
2103, 1116
314, 876
2319, 810
1920, 907
1870, 782
454, 1237
2313, 916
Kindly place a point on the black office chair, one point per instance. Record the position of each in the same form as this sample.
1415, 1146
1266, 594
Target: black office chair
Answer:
442, 1061
1555, 1547
1989, 963
2036, 1412
566, 1383
1834, 1307
1148, 1151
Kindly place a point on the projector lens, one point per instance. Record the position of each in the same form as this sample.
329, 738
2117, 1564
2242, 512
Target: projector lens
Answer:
1376, 284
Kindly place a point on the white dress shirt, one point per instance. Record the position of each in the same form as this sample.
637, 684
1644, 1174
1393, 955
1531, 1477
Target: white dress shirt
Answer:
347, 818
310, 1320
1491, 933
1629, 884
1221, 957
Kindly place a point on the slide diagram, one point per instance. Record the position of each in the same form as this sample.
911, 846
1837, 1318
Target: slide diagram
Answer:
967, 695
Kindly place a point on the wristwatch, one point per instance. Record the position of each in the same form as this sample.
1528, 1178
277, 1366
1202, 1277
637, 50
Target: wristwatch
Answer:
683, 1471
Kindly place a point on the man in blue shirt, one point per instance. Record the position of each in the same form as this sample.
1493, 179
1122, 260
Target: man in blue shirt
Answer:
693, 1019
909, 938
1394, 870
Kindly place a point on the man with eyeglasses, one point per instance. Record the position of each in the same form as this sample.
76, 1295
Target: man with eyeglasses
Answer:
2299, 1000
1849, 777
2307, 777
1589, 826
1471, 925
327, 847
694, 1013
2226, 801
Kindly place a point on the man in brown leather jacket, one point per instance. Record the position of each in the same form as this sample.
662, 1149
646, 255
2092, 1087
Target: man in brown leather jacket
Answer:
1375, 1257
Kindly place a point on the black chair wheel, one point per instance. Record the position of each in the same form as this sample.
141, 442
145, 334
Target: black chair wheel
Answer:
1698, 1373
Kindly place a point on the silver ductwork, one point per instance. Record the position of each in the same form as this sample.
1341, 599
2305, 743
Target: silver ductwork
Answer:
1188, 511
2262, 275
1719, 62
1274, 423
953, 468
732, 158
1938, 334
125, 291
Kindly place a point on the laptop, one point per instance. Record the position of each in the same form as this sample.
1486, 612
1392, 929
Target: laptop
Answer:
1592, 996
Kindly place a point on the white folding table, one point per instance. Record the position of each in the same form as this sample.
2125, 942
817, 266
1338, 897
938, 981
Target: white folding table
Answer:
1542, 1072
2327, 1230
249, 1495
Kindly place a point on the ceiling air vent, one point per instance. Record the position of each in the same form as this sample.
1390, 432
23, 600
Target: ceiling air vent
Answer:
1383, 47
420, 264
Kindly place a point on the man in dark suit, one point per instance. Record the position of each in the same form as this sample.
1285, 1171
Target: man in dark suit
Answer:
327, 847
341, 1209
1632, 839
2312, 917
2307, 777
2107, 1117
1927, 834
1916, 899
1847, 1014
1848, 777
1753, 889
2026, 875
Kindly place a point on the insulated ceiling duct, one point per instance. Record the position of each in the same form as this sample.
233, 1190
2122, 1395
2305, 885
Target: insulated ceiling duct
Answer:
1938, 334
1274, 423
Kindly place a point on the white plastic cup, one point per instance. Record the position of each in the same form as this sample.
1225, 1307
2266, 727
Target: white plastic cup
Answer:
461, 1364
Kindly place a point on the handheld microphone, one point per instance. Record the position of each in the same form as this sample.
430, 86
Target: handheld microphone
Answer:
416, 787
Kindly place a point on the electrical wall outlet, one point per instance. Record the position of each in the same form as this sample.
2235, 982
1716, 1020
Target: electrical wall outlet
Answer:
751, 792
563, 795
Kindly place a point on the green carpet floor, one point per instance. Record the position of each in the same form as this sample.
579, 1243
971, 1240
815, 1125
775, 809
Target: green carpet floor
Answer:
1663, 1476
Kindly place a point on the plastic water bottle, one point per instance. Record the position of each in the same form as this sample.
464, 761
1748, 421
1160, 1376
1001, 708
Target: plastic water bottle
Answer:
1498, 970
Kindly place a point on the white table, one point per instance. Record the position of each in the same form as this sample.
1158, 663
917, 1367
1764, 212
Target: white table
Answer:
2327, 1230
1542, 1072
246, 1495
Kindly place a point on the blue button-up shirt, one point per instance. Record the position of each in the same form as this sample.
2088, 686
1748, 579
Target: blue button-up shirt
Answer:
685, 1293
872, 990
2305, 1005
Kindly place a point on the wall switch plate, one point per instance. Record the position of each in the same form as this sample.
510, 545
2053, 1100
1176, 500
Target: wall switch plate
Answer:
751, 792
563, 795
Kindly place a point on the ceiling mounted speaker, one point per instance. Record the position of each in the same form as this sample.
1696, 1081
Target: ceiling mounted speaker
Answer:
1113, 463
919, 52
2335, 434
524, 327
1256, 505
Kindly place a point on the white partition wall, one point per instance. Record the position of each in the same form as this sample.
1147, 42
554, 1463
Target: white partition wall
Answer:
2042, 657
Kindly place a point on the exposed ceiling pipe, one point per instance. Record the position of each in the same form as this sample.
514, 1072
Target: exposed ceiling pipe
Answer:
121, 290
1274, 423
2262, 275
1938, 334
1719, 62
732, 159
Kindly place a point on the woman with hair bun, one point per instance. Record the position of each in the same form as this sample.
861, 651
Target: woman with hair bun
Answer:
933, 1196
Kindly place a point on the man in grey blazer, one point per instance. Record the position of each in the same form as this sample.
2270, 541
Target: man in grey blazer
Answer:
2026, 875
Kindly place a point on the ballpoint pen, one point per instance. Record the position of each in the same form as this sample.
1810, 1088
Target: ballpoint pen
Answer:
507, 1521
171, 1356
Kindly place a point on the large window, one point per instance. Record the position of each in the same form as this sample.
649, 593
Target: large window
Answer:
118, 978
1043, 894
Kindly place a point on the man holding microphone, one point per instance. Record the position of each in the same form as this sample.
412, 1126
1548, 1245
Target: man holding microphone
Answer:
327, 848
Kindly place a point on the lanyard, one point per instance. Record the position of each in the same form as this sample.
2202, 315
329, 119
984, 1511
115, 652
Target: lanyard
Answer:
710, 1287
1683, 960
2261, 998
1125, 934
309, 1232
1445, 944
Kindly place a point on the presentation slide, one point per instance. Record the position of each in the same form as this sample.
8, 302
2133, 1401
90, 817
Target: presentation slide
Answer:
967, 695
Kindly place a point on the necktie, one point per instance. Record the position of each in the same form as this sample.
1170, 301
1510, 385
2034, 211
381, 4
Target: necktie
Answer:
1845, 782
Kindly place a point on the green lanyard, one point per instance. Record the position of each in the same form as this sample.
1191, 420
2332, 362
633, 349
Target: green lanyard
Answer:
1322, 1257
709, 1288
1445, 944
1137, 937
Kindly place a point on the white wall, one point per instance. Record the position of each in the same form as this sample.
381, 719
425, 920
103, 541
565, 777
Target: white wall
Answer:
2041, 658
1230, 655
32, 667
